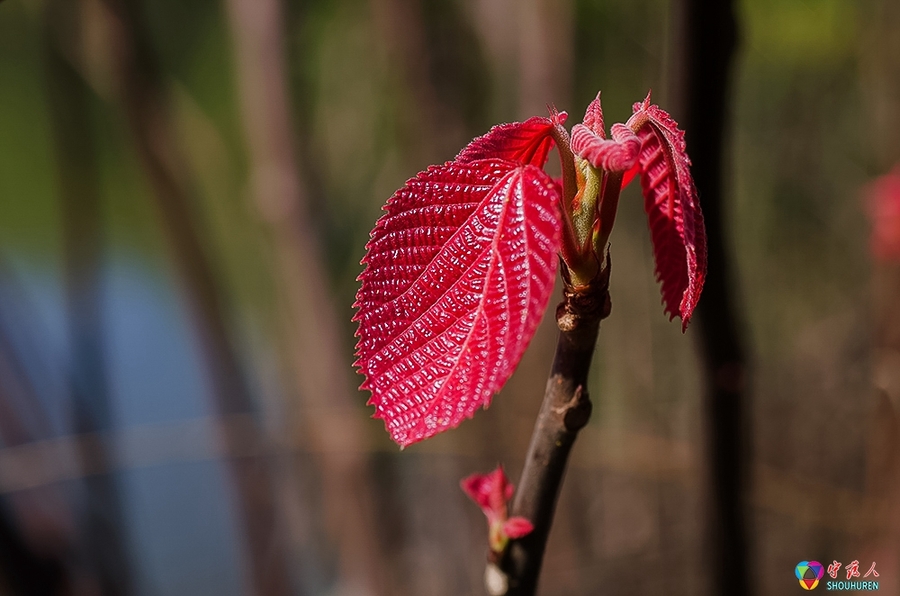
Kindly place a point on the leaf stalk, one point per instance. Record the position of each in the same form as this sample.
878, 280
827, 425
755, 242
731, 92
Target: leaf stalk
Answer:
569, 249
606, 210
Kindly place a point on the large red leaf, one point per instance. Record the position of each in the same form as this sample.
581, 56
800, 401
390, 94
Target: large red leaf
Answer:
458, 273
526, 142
670, 200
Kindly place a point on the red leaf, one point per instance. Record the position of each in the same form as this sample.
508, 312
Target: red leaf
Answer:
670, 200
883, 205
631, 173
458, 273
516, 527
490, 491
526, 142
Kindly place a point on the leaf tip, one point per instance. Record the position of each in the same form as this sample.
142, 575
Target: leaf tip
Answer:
643, 105
593, 117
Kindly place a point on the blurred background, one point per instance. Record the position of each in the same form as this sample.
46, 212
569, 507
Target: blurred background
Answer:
186, 189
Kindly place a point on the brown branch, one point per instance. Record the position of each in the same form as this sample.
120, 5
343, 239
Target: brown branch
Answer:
565, 410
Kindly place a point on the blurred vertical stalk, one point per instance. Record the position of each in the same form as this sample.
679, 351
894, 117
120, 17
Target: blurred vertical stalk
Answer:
883, 456
879, 62
36, 565
706, 41
141, 93
545, 54
400, 25
320, 372
433, 53
103, 535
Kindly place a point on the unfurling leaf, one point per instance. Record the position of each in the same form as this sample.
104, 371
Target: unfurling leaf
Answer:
492, 492
674, 216
593, 118
458, 273
617, 154
526, 142
589, 141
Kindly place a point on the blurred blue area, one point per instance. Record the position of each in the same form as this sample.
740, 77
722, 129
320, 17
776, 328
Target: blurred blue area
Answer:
181, 516
155, 369
180, 520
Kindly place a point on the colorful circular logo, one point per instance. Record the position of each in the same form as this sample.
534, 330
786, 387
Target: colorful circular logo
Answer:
809, 573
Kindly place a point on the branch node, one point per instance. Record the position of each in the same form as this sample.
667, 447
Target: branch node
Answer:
578, 410
585, 304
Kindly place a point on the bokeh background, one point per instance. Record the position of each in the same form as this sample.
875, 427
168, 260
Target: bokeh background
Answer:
186, 189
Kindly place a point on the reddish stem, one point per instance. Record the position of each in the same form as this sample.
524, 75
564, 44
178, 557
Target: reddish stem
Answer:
607, 207
570, 251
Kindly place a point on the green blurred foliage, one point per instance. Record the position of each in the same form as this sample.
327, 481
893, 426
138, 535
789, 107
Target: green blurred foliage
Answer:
28, 216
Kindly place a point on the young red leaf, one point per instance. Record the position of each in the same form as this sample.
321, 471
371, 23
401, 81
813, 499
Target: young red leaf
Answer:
492, 492
617, 154
526, 142
458, 273
593, 118
517, 527
670, 200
